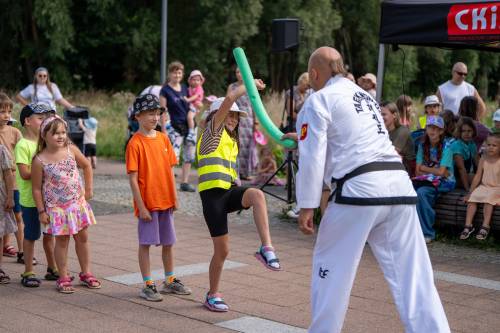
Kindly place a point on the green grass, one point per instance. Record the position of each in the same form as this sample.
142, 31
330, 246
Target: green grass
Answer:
111, 112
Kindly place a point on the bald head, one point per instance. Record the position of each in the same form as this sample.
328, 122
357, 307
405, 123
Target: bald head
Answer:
460, 66
324, 63
458, 73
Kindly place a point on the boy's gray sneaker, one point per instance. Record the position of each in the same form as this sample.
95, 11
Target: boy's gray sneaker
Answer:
176, 287
150, 293
186, 187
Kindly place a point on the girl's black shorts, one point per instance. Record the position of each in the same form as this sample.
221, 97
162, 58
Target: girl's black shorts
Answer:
217, 203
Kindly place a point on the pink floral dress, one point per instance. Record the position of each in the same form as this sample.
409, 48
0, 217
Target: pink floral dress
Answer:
64, 198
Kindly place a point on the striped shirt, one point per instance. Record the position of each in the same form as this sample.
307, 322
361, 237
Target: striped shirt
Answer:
210, 138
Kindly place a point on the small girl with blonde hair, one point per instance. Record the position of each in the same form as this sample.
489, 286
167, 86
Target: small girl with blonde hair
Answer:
61, 199
485, 189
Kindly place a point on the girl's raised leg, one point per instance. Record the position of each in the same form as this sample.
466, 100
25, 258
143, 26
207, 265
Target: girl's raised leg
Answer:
255, 198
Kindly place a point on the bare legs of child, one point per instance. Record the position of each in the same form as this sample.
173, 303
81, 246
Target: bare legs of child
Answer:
251, 198
19, 233
171, 285
469, 227
64, 284
4, 278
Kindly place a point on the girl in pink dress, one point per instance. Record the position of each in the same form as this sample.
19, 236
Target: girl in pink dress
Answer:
485, 189
61, 199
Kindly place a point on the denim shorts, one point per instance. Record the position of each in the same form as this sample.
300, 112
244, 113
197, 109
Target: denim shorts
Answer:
17, 205
32, 229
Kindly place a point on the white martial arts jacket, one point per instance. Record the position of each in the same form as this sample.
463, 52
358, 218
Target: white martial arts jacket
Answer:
339, 129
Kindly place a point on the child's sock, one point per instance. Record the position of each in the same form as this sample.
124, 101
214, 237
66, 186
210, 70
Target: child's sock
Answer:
148, 281
169, 277
191, 131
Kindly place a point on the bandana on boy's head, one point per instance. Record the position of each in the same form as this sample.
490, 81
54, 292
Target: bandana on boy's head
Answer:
34, 108
47, 121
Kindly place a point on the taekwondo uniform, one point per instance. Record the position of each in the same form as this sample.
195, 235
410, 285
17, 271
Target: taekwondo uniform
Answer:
343, 141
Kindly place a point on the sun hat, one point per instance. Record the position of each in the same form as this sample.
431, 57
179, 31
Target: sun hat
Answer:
34, 108
435, 121
432, 100
146, 102
211, 98
496, 115
196, 72
218, 102
370, 77
91, 123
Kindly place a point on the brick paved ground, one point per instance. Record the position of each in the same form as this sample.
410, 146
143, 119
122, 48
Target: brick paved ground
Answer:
250, 290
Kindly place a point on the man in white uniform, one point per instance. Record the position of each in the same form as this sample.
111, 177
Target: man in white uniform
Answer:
453, 91
342, 137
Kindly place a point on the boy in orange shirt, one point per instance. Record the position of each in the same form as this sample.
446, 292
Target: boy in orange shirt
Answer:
149, 159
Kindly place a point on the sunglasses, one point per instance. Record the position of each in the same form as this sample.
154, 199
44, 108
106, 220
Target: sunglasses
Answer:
461, 73
42, 75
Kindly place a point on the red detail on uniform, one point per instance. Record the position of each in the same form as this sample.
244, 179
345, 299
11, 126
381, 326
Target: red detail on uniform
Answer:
474, 19
303, 132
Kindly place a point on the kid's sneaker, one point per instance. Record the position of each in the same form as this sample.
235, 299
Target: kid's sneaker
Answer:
149, 293
176, 287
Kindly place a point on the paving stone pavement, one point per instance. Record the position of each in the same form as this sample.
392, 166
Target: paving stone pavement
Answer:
260, 300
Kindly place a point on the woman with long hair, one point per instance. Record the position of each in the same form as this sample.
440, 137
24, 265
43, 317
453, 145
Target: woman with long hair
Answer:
42, 90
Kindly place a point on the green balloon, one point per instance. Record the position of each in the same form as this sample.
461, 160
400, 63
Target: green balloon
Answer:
257, 105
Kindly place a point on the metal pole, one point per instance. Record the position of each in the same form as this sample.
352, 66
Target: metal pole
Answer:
380, 71
163, 70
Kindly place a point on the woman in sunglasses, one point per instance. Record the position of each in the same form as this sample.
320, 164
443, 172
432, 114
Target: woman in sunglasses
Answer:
42, 90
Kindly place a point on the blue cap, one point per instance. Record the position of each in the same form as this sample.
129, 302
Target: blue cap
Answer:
435, 121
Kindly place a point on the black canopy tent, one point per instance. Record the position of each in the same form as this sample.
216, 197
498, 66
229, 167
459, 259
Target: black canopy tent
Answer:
471, 24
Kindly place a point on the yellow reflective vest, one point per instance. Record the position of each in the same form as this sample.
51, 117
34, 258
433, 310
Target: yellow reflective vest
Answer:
218, 169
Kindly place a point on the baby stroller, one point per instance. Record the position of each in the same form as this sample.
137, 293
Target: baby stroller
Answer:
71, 116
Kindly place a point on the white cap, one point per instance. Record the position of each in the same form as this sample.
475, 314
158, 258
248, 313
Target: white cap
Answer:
218, 102
496, 115
432, 100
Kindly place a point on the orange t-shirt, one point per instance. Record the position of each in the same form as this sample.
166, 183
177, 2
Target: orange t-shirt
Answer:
152, 159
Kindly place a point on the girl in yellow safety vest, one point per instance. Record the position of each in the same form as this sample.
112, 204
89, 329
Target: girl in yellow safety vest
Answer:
217, 152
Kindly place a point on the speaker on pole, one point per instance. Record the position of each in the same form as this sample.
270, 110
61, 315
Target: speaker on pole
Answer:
285, 34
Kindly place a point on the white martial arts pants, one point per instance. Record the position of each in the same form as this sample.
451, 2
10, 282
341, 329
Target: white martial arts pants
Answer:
396, 240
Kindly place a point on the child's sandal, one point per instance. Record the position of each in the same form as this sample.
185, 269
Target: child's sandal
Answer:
9, 251
4, 278
88, 280
215, 303
483, 233
268, 258
30, 280
468, 230
64, 285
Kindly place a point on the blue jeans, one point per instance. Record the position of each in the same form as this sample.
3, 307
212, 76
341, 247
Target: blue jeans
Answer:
426, 199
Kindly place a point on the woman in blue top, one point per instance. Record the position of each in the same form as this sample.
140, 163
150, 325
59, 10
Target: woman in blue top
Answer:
465, 152
172, 98
434, 173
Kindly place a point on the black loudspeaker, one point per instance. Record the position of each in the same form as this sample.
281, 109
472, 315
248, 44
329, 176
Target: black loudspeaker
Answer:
285, 33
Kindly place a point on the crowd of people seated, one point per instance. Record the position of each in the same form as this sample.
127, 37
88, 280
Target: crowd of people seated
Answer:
449, 147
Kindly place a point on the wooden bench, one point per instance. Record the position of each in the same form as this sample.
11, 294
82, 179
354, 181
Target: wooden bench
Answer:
450, 210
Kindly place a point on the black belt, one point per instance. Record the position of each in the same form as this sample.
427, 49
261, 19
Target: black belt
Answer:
370, 167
